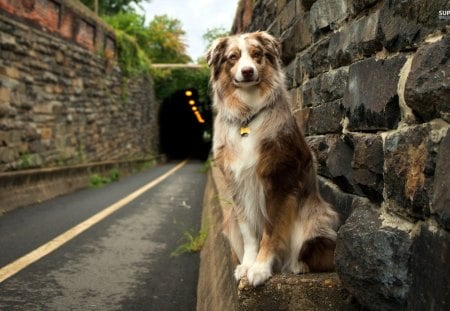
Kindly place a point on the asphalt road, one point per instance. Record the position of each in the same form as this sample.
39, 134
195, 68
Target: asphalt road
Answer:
123, 262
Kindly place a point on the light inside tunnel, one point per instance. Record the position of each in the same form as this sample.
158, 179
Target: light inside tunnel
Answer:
199, 117
194, 108
185, 125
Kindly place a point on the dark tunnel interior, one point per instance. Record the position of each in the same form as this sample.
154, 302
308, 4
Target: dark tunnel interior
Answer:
185, 126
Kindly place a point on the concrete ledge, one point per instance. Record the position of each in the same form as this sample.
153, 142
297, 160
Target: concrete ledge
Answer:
26, 187
217, 289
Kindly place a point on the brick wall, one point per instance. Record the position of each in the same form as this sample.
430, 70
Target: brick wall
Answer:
68, 19
370, 83
61, 103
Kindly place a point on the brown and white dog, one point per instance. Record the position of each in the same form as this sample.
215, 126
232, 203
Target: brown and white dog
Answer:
279, 220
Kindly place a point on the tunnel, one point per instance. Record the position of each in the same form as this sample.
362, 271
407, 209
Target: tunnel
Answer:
185, 126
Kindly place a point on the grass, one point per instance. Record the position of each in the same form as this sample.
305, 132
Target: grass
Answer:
194, 243
97, 180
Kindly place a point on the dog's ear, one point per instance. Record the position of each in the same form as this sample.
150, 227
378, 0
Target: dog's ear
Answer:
216, 55
271, 45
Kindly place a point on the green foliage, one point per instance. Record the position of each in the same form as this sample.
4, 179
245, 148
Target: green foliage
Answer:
114, 175
111, 7
97, 180
212, 34
24, 161
168, 81
207, 165
209, 36
132, 58
139, 46
194, 243
165, 41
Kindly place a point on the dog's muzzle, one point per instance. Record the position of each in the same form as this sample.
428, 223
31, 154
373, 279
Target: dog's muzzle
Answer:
247, 77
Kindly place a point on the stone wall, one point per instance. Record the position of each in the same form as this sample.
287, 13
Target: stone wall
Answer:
63, 98
370, 84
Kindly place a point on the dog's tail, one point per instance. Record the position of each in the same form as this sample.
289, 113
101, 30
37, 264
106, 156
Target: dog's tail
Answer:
318, 254
318, 251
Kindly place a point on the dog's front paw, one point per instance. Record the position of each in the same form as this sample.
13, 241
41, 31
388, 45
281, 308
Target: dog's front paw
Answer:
259, 273
240, 271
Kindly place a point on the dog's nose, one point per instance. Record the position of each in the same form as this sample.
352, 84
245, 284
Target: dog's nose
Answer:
247, 72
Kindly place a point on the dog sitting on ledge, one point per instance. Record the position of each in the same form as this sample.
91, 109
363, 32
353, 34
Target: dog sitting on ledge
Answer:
279, 222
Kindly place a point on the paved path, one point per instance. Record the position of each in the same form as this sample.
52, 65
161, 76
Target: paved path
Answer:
121, 263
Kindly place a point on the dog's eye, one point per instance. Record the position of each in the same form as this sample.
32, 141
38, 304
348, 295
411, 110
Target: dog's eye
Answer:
233, 57
257, 54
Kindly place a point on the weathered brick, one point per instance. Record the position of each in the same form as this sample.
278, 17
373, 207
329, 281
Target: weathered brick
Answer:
427, 89
327, 14
5, 94
287, 15
296, 38
441, 187
410, 168
327, 87
371, 96
8, 155
360, 5
354, 162
431, 265
406, 23
325, 118
367, 165
372, 259
355, 40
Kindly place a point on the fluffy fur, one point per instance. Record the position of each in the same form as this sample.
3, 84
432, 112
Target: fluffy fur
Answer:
279, 220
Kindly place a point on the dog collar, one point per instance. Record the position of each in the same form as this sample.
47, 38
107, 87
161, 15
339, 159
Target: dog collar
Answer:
245, 126
244, 131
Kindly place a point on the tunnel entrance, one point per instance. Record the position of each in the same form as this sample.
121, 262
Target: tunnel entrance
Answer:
185, 126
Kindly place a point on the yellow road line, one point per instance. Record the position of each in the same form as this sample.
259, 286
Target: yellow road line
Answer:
26, 260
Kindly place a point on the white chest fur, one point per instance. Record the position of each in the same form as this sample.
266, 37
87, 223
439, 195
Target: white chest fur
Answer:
245, 151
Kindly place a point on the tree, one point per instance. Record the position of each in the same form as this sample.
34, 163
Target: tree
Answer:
112, 7
165, 41
209, 36
212, 34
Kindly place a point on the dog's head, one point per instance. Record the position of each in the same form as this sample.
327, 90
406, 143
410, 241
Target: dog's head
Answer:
244, 59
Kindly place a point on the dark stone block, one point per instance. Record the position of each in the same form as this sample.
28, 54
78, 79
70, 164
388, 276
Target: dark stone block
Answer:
371, 96
441, 196
409, 169
407, 23
430, 286
427, 89
354, 162
311, 93
319, 58
313, 61
264, 13
360, 5
307, 4
328, 14
355, 40
372, 260
339, 164
327, 87
325, 118
332, 84
296, 38
367, 165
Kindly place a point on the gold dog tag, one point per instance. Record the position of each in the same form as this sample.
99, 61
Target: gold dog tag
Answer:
244, 131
